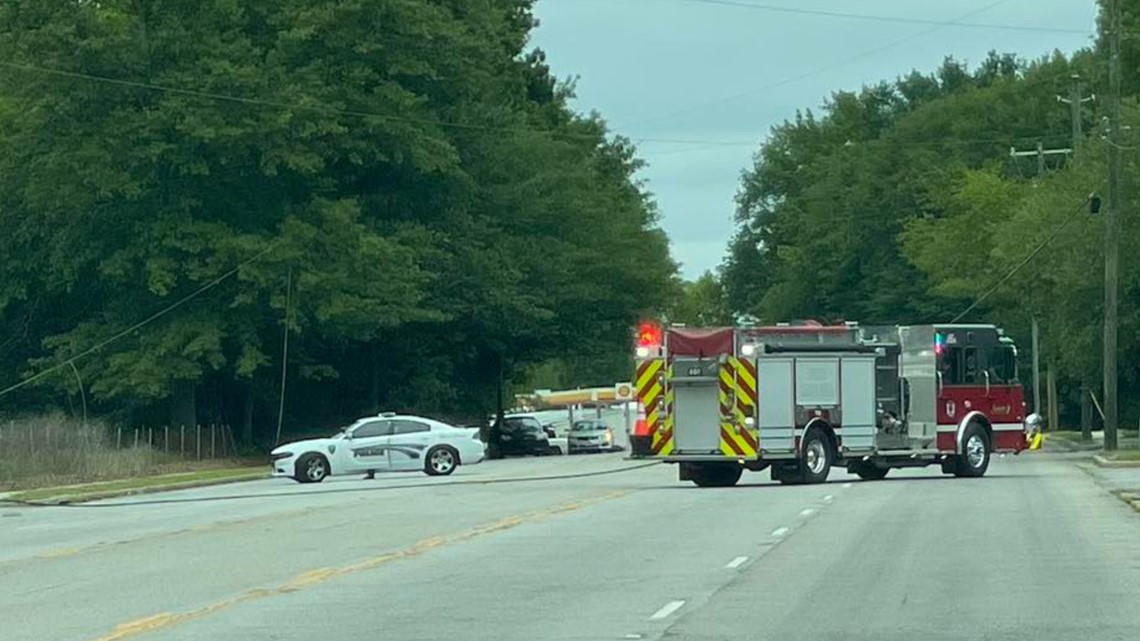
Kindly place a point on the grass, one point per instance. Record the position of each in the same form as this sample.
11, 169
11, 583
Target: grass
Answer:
1124, 455
53, 451
1064, 436
89, 491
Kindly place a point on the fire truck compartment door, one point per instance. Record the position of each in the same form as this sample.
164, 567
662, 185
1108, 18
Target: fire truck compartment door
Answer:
857, 378
696, 416
776, 408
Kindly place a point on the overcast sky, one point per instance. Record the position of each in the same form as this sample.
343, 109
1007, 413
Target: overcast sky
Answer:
683, 75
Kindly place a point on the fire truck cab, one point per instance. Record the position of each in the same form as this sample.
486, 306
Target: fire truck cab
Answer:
801, 399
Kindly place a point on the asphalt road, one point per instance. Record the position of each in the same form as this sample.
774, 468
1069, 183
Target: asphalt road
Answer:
1035, 551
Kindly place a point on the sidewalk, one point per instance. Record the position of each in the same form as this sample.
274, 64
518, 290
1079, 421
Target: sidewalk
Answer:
1122, 482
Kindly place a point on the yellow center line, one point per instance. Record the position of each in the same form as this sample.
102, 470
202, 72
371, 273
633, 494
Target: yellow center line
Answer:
319, 576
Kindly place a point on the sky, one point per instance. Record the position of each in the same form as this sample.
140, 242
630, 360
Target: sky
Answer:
698, 84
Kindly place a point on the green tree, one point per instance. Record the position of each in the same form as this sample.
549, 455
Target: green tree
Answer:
423, 209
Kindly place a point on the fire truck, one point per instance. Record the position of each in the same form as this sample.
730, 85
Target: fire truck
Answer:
799, 399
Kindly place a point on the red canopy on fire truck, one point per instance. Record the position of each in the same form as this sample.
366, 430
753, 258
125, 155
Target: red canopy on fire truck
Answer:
700, 342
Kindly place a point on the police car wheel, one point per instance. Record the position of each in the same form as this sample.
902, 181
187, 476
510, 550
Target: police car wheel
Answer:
975, 457
311, 468
441, 461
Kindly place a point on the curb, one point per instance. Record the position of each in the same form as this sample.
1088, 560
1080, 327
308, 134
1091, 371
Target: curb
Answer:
1103, 462
1131, 499
71, 499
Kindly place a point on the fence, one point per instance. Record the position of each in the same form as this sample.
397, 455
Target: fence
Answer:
199, 442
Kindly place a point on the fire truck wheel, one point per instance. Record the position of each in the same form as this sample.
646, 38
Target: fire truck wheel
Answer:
975, 457
815, 462
716, 474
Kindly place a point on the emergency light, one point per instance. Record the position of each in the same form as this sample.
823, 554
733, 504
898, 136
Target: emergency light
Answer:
939, 344
649, 335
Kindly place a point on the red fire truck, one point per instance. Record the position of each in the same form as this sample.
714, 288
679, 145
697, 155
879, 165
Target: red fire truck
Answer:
802, 398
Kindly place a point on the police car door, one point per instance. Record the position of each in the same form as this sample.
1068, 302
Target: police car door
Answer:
369, 446
407, 444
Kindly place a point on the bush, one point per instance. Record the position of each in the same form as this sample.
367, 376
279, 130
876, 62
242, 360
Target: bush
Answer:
57, 450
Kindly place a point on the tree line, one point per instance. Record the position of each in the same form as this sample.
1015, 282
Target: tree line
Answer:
397, 188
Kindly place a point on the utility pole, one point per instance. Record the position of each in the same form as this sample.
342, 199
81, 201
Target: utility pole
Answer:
1040, 152
1075, 101
1112, 229
1037, 371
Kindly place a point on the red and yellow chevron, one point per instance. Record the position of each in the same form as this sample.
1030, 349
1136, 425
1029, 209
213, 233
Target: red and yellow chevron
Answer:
737, 402
662, 442
651, 393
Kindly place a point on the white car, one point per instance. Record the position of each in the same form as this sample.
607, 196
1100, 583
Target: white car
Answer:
384, 443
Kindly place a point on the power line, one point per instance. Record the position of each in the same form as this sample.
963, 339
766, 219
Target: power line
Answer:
322, 109
317, 108
1023, 263
146, 321
880, 18
818, 70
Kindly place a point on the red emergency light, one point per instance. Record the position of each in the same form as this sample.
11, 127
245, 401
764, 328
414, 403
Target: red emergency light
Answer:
649, 334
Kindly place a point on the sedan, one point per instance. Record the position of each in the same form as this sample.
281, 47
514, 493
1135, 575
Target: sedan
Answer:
385, 443
590, 436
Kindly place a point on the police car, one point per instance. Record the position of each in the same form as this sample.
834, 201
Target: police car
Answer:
387, 442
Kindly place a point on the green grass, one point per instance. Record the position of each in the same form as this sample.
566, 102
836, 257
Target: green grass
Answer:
103, 489
1124, 455
1063, 436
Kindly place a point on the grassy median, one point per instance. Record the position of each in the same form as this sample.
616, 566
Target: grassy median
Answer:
141, 485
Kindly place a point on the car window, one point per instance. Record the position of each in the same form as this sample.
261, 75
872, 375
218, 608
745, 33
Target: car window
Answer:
410, 427
586, 426
372, 428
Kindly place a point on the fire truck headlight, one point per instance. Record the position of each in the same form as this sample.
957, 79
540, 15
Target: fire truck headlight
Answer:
749, 422
748, 350
643, 352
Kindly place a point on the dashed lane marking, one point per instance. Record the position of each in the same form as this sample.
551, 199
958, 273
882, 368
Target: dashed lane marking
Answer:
737, 562
778, 532
667, 609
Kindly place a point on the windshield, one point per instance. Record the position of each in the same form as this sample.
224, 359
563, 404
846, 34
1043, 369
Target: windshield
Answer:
588, 426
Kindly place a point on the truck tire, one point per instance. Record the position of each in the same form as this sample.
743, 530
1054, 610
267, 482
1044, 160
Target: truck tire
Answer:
872, 473
816, 458
868, 471
975, 457
715, 474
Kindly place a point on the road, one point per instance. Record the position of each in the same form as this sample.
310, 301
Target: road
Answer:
1035, 551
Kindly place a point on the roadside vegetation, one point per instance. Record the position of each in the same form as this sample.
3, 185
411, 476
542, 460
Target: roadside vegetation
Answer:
52, 451
900, 203
402, 188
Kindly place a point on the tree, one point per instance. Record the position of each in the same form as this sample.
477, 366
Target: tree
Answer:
404, 185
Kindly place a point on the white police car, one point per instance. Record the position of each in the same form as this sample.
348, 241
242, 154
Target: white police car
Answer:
384, 443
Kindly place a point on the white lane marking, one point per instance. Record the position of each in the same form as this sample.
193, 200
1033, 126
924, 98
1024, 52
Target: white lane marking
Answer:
779, 532
829, 497
807, 512
667, 609
848, 484
737, 562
